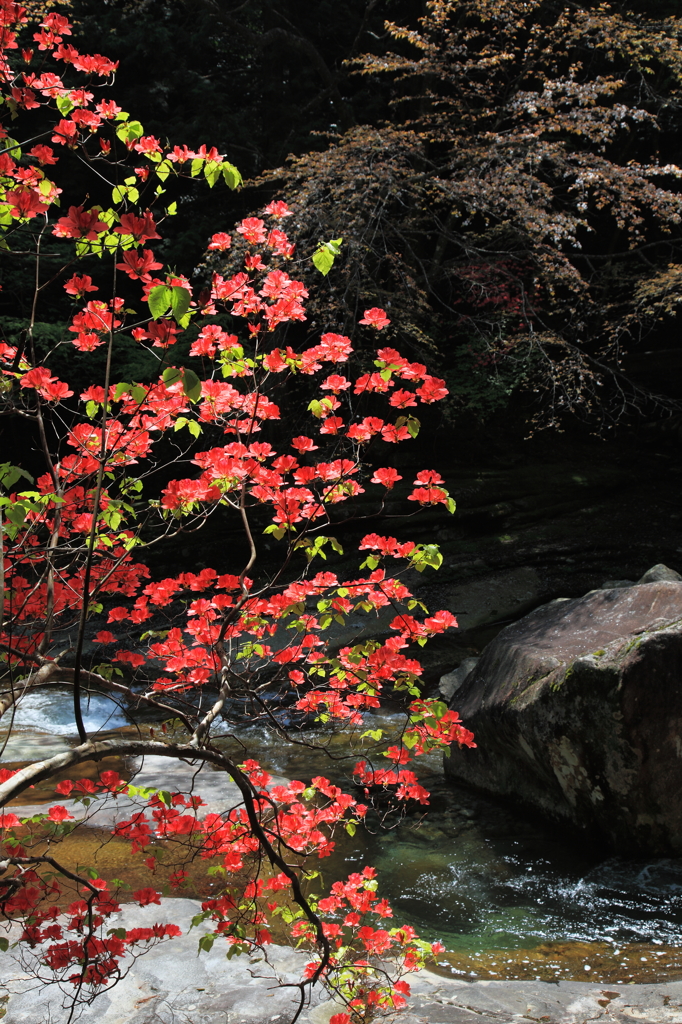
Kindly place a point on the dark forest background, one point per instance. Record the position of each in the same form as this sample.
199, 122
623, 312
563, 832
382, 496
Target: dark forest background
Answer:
505, 176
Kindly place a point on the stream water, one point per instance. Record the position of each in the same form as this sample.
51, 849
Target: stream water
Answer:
509, 897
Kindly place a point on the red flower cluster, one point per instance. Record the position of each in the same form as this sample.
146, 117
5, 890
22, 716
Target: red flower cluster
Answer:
69, 543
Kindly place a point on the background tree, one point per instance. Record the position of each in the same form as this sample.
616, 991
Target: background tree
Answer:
510, 173
523, 190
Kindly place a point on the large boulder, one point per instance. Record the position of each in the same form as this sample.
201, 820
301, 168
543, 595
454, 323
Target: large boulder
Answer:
577, 713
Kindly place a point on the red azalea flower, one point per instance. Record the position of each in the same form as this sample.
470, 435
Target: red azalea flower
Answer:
375, 317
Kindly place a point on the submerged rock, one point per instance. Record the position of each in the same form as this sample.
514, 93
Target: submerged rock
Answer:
577, 712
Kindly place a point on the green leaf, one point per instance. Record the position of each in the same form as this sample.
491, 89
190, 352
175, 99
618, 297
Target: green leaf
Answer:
216, 869
130, 131
172, 209
320, 409
146, 792
197, 164
323, 258
9, 475
13, 147
16, 514
121, 389
206, 941
233, 178
212, 172
4, 944
236, 950
91, 409
108, 216
64, 105
191, 385
160, 299
179, 301
113, 520
374, 734
199, 918
171, 375
164, 169
122, 192
139, 393
277, 531
413, 426
426, 555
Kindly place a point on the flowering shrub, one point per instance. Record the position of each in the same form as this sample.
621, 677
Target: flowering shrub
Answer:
199, 648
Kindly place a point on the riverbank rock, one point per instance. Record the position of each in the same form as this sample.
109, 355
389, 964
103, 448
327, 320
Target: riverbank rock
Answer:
577, 712
173, 984
451, 682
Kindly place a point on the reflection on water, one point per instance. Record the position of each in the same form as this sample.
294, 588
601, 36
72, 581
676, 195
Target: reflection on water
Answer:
508, 897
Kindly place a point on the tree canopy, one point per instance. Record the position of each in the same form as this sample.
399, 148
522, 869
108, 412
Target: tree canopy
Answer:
520, 207
505, 175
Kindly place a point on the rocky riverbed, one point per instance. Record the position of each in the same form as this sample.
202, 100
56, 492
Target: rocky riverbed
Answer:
174, 984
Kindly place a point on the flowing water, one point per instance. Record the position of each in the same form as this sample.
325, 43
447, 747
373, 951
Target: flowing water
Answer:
509, 897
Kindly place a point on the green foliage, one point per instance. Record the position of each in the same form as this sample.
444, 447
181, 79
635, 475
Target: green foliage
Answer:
191, 385
323, 258
164, 298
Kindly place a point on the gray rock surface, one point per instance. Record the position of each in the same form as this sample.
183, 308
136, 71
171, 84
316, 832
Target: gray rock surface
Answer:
656, 574
452, 681
172, 984
217, 790
660, 573
577, 711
